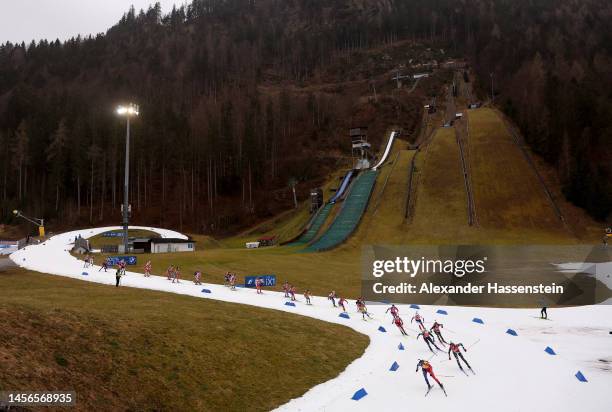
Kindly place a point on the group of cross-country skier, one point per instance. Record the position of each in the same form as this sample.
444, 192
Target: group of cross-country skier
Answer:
173, 273
428, 338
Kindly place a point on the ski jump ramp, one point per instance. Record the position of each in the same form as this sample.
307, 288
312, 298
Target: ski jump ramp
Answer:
513, 371
348, 219
352, 210
385, 155
314, 227
354, 206
342, 188
321, 216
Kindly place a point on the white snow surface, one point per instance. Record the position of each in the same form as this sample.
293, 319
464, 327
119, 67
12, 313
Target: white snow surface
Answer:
514, 373
387, 150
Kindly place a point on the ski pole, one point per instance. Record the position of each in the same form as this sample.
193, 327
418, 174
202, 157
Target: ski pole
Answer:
474, 343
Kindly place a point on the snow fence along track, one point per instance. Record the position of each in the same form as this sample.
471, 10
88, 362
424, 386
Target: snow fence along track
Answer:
513, 372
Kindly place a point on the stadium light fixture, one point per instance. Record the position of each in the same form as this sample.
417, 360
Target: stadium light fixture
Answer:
128, 111
37, 221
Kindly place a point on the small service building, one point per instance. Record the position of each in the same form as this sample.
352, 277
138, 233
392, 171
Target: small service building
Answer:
172, 245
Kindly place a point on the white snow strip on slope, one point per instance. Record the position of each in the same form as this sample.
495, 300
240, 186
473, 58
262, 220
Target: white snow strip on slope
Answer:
514, 373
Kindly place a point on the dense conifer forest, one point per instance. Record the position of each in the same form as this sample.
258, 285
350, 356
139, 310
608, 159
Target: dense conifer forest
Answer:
240, 97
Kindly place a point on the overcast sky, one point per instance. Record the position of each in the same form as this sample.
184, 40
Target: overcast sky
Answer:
24, 20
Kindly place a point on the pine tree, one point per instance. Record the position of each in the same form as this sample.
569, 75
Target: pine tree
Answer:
56, 158
20, 154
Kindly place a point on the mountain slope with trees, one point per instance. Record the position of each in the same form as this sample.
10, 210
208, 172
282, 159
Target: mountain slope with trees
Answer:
238, 97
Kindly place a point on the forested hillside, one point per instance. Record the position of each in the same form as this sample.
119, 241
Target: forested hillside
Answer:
238, 97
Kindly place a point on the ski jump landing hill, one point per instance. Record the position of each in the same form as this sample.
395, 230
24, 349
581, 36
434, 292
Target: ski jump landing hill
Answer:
315, 224
521, 362
352, 209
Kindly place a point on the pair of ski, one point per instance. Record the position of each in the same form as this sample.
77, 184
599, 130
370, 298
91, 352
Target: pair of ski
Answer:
441, 387
541, 318
466, 374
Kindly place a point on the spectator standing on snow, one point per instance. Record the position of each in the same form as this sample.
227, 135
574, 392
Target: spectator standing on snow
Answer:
118, 275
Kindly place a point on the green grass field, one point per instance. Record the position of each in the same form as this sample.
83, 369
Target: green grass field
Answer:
132, 349
507, 193
441, 202
319, 272
99, 240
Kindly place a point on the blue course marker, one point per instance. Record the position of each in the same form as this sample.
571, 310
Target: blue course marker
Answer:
380, 328
549, 350
413, 306
289, 304
442, 312
85, 274
400, 347
359, 394
344, 315
206, 291
511, 332
580, 377
478, 320
394, 367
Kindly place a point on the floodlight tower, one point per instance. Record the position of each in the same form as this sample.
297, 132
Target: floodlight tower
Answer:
128, 111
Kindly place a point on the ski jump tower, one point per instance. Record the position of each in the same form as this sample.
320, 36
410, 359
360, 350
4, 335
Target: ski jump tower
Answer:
360, 147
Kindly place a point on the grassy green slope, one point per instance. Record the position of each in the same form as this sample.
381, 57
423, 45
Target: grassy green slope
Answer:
130, 349
440, 211
507, 193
